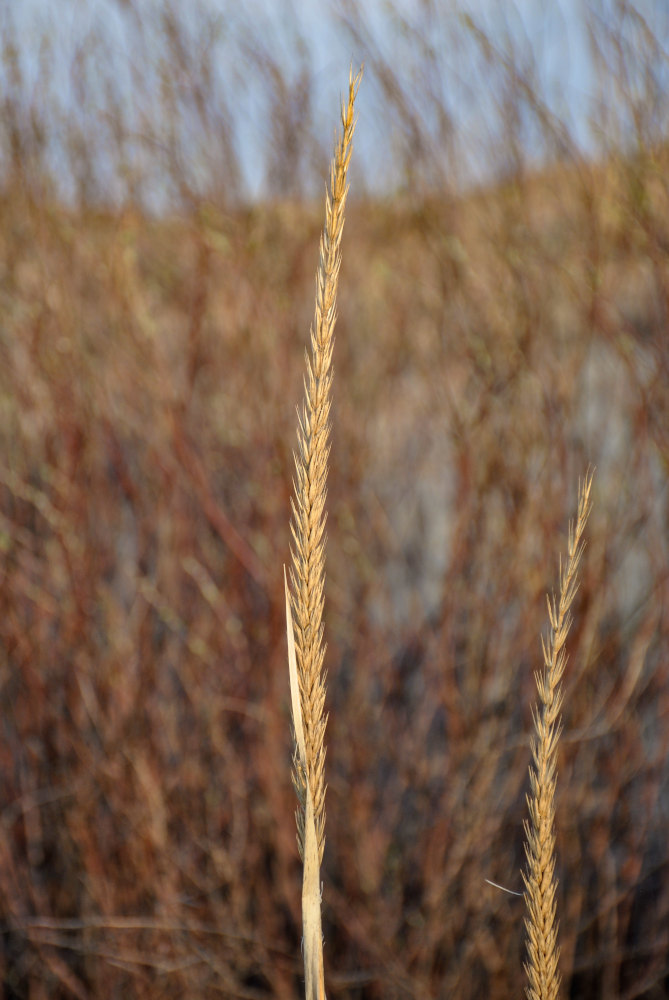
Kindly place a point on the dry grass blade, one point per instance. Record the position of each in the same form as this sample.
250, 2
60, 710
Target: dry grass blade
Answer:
541, 925
311, 898
305, 604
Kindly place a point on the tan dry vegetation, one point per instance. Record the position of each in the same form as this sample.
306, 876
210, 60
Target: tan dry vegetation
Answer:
488, 348
541, 924
304, 605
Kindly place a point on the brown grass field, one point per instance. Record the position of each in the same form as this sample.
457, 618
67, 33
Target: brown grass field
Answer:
491, 345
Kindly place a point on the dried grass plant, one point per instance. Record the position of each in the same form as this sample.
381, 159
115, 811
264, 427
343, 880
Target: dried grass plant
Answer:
304, 607
145, 470
541, 924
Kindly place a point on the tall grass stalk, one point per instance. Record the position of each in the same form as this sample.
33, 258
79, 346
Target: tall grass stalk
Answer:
304, 603
541, 924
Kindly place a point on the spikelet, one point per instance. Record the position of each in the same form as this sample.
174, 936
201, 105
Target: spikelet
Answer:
304, 601
540, 885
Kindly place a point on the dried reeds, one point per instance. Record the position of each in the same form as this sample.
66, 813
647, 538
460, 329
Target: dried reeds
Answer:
304, 605
541, 925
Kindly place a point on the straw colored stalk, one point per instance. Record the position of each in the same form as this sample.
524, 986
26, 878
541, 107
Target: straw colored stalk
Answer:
304, 604
540, 885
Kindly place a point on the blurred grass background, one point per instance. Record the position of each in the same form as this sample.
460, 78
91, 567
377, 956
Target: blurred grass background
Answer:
503, 322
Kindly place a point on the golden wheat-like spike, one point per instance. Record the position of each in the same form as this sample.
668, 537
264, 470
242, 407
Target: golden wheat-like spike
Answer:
304, 601
542, 966
308, 507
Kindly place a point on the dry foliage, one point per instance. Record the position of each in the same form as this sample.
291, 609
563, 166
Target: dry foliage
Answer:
311, 466
491, 342
305, 638
542, 929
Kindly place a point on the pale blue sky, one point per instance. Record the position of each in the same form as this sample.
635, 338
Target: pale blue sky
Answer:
297, 33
